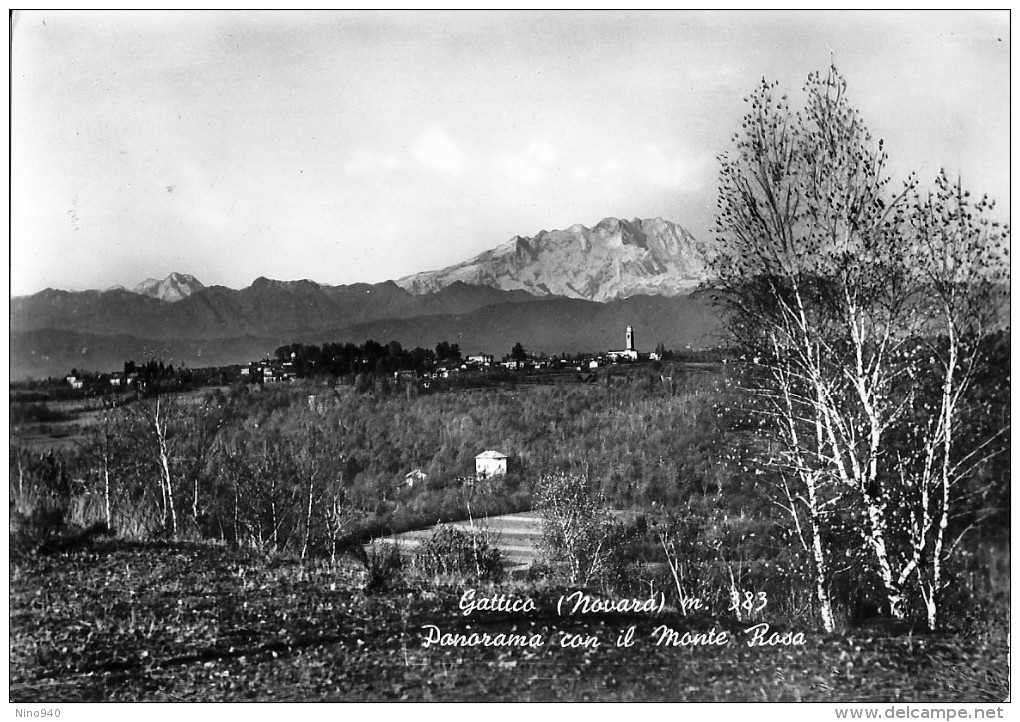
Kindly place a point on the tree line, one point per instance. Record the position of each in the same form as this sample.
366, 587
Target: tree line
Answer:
341, 359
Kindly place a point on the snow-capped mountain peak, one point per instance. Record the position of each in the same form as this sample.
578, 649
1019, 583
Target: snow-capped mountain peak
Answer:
172, 288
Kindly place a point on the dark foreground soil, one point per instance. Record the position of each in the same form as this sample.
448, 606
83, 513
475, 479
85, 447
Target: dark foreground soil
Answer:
180, 622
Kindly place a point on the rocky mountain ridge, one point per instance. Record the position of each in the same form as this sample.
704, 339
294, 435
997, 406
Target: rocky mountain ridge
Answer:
175, 287
266, 308
614, 259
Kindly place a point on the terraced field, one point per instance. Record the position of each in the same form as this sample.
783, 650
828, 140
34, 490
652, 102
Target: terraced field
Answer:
517, 536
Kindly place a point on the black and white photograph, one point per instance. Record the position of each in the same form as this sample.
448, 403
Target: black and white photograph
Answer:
514, 356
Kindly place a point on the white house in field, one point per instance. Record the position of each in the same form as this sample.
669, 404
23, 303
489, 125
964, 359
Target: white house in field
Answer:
490, 463
415, 477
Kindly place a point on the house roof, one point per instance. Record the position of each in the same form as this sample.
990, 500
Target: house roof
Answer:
491, 455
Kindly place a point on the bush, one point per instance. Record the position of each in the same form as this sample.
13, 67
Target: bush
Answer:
384, 566
454, 553
31, 531
36, 413
580, 530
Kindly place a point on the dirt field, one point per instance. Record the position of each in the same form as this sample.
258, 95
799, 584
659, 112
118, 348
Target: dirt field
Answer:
198, 622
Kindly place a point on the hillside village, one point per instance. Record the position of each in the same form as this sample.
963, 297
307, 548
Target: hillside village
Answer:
291, 363
273, 370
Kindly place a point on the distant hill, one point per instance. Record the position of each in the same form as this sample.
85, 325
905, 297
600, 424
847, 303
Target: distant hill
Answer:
615, 259
266, 308
555, 325
552, 325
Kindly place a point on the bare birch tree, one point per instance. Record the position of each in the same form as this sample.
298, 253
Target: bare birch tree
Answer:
103, 446
818, 275
962, 256
158, 419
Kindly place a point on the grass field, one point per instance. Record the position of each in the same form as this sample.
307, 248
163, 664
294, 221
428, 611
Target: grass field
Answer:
73, 418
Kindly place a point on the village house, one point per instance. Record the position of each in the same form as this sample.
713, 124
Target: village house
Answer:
270, 371
481, 359
415, 477
490, 463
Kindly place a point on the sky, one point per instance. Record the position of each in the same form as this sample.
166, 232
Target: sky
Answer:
351, 147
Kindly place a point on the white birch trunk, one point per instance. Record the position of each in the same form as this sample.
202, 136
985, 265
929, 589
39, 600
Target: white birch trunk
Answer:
164, 462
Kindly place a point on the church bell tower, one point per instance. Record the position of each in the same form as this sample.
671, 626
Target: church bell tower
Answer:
630, 338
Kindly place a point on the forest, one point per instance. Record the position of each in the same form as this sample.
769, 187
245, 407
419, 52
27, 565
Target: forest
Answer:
354, 444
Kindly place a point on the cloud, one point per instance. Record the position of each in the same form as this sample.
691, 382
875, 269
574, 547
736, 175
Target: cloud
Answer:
674, 170
648, 166
438, 151
528, 166
369, 161
605, 172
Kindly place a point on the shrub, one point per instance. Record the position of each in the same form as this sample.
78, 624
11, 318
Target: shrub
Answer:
33, 530
580, 530
384, 566
454, 553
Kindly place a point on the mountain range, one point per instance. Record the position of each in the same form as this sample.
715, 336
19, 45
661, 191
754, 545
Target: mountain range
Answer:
572, 290
266, 308
615, 259
172, 288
